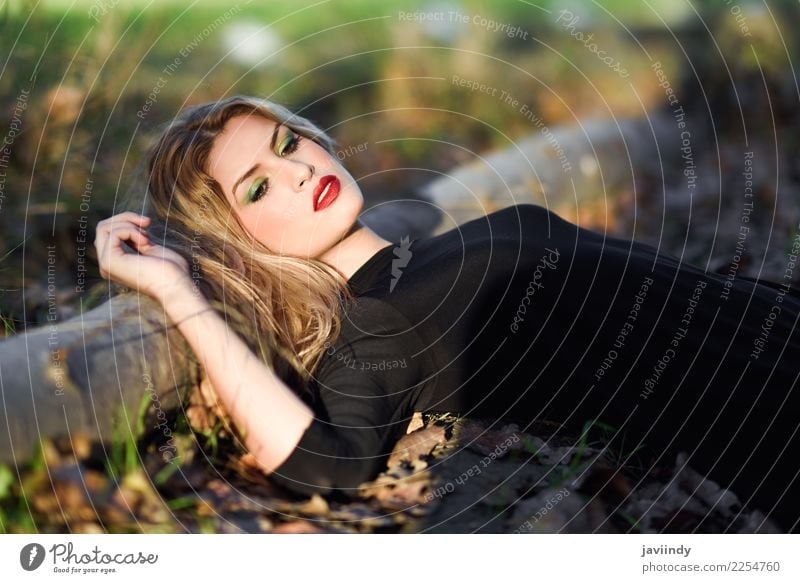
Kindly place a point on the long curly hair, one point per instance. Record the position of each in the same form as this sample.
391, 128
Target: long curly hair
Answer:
285, 308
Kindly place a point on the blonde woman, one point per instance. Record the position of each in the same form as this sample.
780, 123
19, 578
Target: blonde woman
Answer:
320, 339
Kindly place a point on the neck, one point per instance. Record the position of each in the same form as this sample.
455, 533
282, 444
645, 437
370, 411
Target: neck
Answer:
354, 250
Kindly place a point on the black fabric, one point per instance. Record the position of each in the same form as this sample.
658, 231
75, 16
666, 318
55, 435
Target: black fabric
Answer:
526, 316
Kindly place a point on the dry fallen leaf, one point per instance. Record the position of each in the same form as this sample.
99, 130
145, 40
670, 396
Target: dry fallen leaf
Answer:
399, 489
74, 495
79, 445
314, 506
416, 422
204, 408
136, 500
418, 443
298, 527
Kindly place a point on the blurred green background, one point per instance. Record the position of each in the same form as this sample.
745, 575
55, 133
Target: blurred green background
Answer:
97, 78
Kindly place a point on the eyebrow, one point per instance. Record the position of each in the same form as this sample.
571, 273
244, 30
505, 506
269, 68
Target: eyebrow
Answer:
250, 172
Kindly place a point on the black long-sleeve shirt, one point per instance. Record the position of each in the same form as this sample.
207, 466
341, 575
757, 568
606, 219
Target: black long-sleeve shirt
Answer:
523, 315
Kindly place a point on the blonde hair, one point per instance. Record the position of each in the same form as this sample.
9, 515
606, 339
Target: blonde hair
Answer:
285, 308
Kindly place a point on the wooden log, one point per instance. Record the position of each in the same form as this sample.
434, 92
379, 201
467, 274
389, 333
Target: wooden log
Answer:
98, 373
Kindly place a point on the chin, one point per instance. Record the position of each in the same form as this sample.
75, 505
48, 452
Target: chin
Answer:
345, 210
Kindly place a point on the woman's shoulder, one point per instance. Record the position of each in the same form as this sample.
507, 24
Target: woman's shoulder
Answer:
503, 229
499, 221
524, 211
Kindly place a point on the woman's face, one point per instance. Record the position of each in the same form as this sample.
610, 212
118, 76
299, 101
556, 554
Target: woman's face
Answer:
273, 179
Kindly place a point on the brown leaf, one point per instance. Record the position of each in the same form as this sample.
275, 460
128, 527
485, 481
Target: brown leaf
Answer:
204, 409
135, 499
606, 482
87, 528
418, 443
220, 488
298, 527
315, 506
248, 469
78, 445
395, 492
415, 423
75, 493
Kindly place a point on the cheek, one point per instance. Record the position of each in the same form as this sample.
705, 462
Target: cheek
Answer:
283, 231
264, 226
351, 206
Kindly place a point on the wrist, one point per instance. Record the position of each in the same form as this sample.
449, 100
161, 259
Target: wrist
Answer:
183, 300
172, 283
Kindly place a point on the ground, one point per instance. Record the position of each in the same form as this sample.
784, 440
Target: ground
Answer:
447, 475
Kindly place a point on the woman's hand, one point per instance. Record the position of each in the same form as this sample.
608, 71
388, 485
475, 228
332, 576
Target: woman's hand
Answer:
152, 269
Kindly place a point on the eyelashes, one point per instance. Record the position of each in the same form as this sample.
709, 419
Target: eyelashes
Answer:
259, 191
293, 144
263, 186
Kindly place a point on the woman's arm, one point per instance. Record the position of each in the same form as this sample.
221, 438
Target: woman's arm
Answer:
368, 384
271, 417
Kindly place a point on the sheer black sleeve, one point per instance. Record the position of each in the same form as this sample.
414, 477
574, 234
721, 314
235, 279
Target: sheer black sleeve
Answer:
367, 384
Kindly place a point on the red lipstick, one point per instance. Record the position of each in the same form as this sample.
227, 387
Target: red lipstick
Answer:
330, 186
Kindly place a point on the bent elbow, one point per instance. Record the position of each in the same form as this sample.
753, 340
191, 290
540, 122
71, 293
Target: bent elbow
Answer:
308, 474
327, 462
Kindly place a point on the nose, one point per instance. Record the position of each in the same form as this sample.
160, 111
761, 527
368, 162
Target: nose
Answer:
303, 174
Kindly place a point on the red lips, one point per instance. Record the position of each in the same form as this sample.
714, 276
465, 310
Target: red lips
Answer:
330, 195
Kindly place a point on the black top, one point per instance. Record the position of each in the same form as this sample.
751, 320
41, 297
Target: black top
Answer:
523, 315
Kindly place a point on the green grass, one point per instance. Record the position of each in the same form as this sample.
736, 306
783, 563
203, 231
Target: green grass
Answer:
7, 326
628, 518
15, 508
560, 473
164, 474
182, 502
123, 457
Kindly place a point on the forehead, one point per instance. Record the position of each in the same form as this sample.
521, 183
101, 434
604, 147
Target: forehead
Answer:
236, 147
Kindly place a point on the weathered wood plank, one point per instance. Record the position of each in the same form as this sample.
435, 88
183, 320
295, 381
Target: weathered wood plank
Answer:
91, 374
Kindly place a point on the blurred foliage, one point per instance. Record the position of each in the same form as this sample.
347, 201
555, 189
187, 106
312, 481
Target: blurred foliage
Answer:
357, 67
354, 66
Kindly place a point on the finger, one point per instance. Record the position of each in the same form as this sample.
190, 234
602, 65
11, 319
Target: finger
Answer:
114, 257
111, 245
119, 229
121, 218
103, 233
131, 235
126, 216
132, 216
